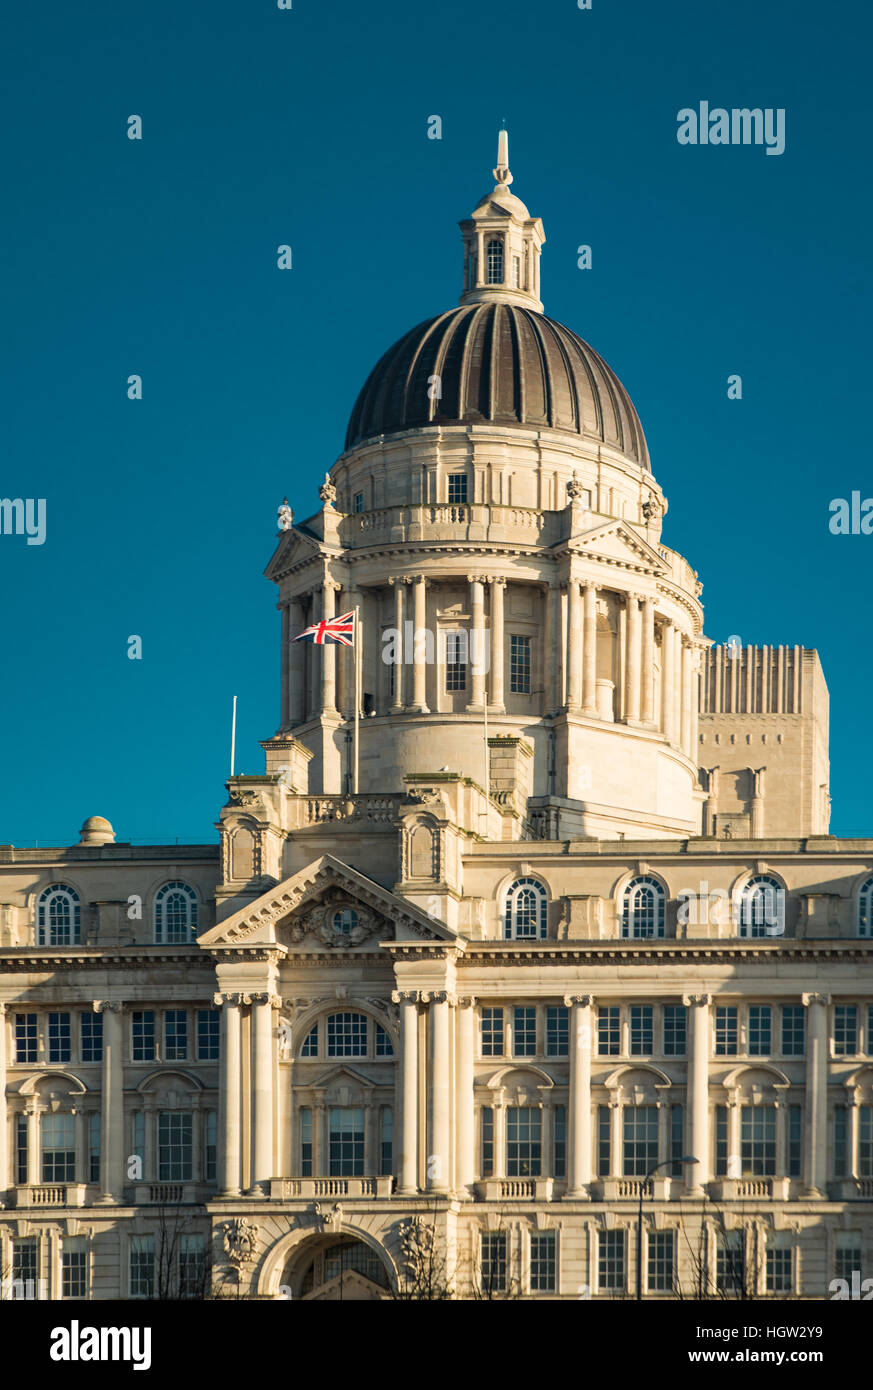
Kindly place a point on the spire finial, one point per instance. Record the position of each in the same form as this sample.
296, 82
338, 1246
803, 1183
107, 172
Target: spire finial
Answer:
501, 173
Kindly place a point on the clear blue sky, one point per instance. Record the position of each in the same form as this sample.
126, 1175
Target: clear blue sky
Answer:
308, 127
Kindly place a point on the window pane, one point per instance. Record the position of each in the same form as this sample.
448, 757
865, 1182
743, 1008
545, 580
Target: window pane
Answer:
726, 1031
59, 1037
175, 1035
640, 1139
346, 1035
492, 1032
523, 1141
793, 1030
208, 1026
661, 1246
524, 1032
609, 1031
759, 1038
346, 1139
642, 1030
557, 1031
92, 1037
675, 1030
143, 1036
175, 1135
543, 1262
610, 1262
519, 665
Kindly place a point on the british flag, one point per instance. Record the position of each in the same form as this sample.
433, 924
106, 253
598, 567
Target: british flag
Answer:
341, 629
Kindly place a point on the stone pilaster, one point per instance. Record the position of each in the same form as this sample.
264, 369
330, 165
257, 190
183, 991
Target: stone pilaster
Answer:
698, 1173
579, 1173
496, 700
112, 1163
815, 1157
408, 1160
589, 652
230, 1096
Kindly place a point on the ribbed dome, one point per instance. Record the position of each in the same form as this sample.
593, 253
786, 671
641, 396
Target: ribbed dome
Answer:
502, 364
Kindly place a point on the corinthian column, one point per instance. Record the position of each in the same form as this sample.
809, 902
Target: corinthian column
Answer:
408, 1165
4, 1144
229, 1108
579, 1166
698, 1088
112, 1167
296, 666
438, 1161
668, 682
496, 654
647, 704
477, 640
262, 1076
552, 647
328, 651
420, 647
574, 645
589, 655
685, 732
633, 661
399, 590
815, 1158
464, 1117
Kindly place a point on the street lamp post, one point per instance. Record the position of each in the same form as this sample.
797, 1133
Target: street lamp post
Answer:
668, 1163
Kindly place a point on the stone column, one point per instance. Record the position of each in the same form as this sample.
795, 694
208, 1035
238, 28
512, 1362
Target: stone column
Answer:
313, 658
633, 664
852, 1133
34, 1110
196, 1139
616, 1147
499, 1107
262, 1089
476, 642
4, 1113
399, 590
694, 742
647, 703
815, 1158
112, 1167
579, 1173
438, 1163
781, 1138
296, 665
589, 654
685, 730
353, 598
465, 1170
734, 1160
151, 1171
496, 700
419, 648
697, 1174
552, 648
229, 1096
328, 651
407, 1168
574, 645
668, 682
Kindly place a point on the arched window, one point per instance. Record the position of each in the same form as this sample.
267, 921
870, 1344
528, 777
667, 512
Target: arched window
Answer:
175, 913
58, 916
762, 907
495, 261
865, 909
525, 910
642, 912
345, 920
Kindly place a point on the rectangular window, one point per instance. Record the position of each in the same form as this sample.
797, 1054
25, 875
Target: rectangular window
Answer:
726, 1030
74, 1267
192, 1266
346, 1136
91, 1035
59, 1037
661, 1261
175, 1146
557, 1031
559, 1140
208, 1024
386, 1142
642, 1030
779, 1270
21, 1149
492, 1032
25, 1267
543, 1262
142, 1033
524, 1032
609, 1031
487, 1141
730, 1263
604, 1142
793, 1030
175, 1035
675, 1030
347, 1035
457, 487
845, 1030
456, 661
677, 1140
523, 1141
493, 1262
58, 1148
305, 1141
25, 1038
610, 1262
142, 1267
358, 503
760, 1030
865, 1141
640, 1126
94, 1146
848, 1255
795, 1141
758, 1140
519, 665
721, 1141
210, 1151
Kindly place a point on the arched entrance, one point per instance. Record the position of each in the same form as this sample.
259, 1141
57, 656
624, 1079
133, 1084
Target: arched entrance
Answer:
336, 1266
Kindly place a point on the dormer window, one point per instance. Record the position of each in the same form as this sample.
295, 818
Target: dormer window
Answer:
495, 261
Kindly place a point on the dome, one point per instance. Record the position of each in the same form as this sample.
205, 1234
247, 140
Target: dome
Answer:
96, 831
499, 364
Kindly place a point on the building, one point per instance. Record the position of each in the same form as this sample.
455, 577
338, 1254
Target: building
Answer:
564, 910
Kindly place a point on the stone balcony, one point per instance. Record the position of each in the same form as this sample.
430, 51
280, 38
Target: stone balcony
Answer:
54, 1194
288, 1189
453, 521
515, 1189
754, 1189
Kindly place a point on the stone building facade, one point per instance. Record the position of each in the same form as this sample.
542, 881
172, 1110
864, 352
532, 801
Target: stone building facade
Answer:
562, 924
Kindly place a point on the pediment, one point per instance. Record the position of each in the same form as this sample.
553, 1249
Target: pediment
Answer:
299, 914
617, 541
350, 1287
339, 1076
294, 547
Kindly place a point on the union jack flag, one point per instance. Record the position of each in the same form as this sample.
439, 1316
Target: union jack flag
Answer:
341, 630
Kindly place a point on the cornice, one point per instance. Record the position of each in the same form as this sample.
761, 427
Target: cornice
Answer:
694, 953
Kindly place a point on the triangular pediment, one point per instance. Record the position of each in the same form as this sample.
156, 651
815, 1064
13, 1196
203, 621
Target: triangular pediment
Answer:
300, 913
616, 540
294, 547
348, 1287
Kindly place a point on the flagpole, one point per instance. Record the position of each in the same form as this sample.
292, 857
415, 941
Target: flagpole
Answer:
233, 737
357, 640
